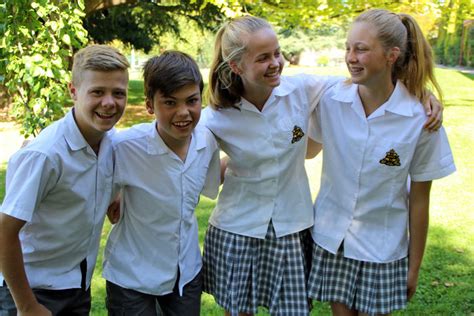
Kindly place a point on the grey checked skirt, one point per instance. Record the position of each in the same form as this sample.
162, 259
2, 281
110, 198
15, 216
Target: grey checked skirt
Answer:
243, 273
369, 287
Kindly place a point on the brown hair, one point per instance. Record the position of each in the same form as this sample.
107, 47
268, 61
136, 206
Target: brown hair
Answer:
225, 87
169, 72
97, 58
414, 67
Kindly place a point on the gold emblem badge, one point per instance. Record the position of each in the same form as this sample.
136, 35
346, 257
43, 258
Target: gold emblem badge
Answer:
391, 158
297, 134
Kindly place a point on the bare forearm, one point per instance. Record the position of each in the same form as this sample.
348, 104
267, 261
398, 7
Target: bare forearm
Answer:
419, 220
11, 263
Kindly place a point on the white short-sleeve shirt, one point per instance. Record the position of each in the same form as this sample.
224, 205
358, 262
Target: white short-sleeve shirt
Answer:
363, 197
265, 177
158, 231
62, 189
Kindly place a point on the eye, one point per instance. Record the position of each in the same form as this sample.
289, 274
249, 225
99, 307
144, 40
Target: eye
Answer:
120, 94
193, 101
169, 102
97, 93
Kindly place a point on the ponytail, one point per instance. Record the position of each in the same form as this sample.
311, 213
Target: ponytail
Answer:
414, 67
225, 87
417, 69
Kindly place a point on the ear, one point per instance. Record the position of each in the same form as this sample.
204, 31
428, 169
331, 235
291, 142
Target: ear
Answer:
149, 106
393, 55
72, 91
234, 67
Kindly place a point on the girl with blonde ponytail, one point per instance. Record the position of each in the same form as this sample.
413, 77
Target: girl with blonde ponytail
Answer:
370, 229
255, 246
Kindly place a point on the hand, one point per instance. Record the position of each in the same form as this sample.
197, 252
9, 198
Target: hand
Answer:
412, 282
434, 109
113, 211
35, 310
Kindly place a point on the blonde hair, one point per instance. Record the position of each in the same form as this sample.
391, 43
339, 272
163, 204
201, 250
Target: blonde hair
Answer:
225, 87
97, 58
414, 67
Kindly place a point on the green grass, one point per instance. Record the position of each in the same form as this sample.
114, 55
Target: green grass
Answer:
446, 284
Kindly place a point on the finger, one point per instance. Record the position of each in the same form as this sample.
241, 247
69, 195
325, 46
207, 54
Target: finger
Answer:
430, 122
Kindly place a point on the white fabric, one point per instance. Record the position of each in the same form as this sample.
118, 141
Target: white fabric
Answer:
157, 231
265, 177
62, 190
361, 200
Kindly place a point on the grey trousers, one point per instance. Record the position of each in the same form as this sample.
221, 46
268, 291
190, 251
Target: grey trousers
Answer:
74, 302
126, 302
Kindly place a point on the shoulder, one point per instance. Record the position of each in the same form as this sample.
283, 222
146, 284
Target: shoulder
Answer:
133, 134
205, 136
50, 141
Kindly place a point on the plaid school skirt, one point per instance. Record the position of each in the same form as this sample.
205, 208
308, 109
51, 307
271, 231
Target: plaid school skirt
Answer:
368, 287
243, 273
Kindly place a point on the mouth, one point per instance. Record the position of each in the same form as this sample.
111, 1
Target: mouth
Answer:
273, 74
182, 124
105, 116
354, 71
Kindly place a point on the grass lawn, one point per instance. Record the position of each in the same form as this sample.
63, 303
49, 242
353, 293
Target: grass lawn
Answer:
446, 284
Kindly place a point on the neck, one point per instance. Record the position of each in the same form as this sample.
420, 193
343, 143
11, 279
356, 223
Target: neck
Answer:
373, 97
93, 138
179, 147
257, 98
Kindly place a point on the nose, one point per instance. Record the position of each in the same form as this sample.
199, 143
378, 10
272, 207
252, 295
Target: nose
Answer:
350, 56
183, 110
108, 100
275, 62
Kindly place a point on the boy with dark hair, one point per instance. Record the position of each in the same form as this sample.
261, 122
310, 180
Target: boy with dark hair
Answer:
58, 189
152, 257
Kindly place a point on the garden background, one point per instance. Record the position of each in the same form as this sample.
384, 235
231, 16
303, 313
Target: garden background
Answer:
35, 56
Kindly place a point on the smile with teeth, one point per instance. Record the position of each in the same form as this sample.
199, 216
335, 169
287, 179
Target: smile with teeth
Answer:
272, 74
355, 70
182, 124
105, 115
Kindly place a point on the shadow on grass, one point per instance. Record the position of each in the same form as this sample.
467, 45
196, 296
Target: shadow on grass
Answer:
467, 74
446, 281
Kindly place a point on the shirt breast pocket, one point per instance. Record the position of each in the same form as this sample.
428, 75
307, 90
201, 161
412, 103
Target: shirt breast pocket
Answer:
390, 158
292, 129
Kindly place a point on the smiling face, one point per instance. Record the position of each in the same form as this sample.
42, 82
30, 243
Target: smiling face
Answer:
99, 101
261, 64
367, 61
176, 114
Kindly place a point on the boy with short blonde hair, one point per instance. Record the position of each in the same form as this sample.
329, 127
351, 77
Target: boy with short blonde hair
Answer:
58, 189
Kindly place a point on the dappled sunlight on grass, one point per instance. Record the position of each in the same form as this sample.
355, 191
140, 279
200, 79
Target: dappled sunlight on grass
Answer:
447, 275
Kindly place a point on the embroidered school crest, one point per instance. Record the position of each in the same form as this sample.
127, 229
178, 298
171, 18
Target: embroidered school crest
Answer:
297, 134
391, 158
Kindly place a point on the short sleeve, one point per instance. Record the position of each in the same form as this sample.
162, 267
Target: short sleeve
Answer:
433, 158
315, 87
30, 176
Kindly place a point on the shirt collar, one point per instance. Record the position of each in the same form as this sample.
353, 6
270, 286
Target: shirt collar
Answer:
156, 145
72, 134
401, 102
283, 89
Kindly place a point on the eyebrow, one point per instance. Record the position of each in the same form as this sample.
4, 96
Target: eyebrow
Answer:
174, 98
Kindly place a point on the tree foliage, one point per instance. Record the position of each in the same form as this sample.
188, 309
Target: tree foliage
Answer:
144, 23
35, 55
450, 33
